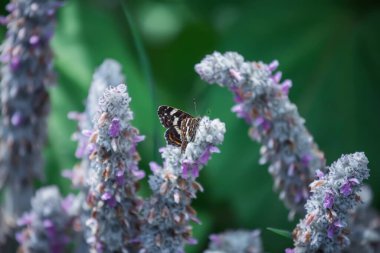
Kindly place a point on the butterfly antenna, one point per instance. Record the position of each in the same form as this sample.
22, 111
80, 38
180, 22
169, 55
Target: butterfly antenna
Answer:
195, 106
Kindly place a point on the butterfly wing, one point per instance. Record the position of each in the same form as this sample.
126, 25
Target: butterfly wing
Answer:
181, 126
173, 137
189, 128
170, 116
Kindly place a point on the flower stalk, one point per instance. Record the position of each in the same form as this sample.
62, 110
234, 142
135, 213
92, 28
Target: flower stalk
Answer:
262, 101
26, 75
168, 211
115, 222
325, 227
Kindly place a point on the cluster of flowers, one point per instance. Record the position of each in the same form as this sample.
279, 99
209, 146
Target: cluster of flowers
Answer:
107, 214
324, 228
275, 122
26, 73
295, 161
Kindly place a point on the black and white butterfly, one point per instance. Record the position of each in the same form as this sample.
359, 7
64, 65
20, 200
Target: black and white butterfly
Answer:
181, 126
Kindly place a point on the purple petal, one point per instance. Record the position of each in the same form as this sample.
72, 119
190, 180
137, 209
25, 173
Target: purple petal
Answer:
346, 188
120, 179
109, 199
203, 159
266, 125
235, 75
259, 121
86, 132
154, 167
139, 174
298, 197
21, 237
67, 203
34, 40
138, 138
90, 148
331, 231
10, 7
16, 119
285, 86
5, 58
215, 239
277, 77
214, 149
79, 152
238, 109
289, 250
328, 202
192, 241
273, 65
338, 224
195, 170
115, 128
15, 63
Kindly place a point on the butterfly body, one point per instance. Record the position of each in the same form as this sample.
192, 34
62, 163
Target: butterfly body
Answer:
181, 126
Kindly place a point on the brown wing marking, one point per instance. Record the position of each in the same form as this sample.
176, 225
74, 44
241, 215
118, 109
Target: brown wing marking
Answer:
189, 128
172, 137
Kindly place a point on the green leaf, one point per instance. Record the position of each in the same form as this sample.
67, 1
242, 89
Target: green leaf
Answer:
282, 232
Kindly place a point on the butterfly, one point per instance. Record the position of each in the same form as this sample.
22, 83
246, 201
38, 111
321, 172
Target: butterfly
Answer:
181, 126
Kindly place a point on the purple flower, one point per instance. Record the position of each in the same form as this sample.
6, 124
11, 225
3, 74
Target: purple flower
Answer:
324, 228
273, 65
329, 200
16, 119
15, 63
34, 40
277, 77
109, 199
114, 129
120, 177
346, 188
154, 167
285, 86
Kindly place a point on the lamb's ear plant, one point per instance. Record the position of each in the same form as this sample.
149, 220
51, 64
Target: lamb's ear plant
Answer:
108, 74
26, 74
262, 101
168, 212
325, 227
114, 225
47, 228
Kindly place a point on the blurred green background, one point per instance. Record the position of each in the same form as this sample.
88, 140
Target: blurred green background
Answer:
330, 50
